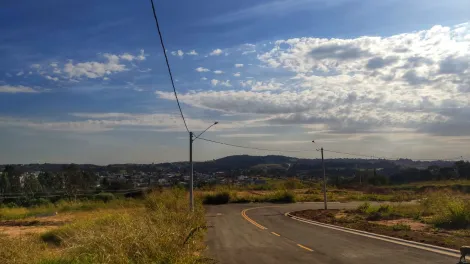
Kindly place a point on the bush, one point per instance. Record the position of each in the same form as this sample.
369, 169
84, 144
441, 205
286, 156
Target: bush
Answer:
105, 197
401, 227
363, 208
217, 198
282, 197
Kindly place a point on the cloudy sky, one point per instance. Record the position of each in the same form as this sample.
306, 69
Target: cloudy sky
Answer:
86, 81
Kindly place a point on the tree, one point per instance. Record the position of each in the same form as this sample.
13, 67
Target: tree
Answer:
14, 178
463, 167
5, 186
49, 181
31, 185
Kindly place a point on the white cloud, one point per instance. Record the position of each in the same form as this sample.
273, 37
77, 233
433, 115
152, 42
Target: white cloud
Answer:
201, 69
218, 72
214, 82
105, 78
245, 135
54, 64
192, 53
56, 71
238, 65
20, 73
142, 56
203, 79
237, 74
36, 66
127, 57
55, 79
216, 52
94, 69
178, 53
16, 89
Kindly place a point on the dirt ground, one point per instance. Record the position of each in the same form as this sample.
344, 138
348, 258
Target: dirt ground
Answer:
418, 231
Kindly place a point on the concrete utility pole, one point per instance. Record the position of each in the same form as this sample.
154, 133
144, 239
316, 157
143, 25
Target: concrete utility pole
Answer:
325, 201
324, 180
191, 175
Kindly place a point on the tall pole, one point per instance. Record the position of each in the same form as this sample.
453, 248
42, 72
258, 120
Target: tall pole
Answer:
324, 180
191, 178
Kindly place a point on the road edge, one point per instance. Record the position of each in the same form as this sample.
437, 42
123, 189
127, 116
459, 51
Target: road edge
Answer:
399, 241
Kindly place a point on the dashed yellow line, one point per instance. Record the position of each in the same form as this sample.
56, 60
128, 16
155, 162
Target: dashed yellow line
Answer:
276, 234
304, 247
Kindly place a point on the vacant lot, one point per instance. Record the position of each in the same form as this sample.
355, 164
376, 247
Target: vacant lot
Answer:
156, 229
441, 218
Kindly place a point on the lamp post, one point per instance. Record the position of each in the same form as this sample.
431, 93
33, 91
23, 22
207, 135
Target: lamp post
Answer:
325, 201
191, 176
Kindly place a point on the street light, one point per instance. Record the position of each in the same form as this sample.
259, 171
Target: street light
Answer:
324, 177
191, 177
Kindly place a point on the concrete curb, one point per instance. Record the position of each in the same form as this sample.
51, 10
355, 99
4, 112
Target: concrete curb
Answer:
423, 246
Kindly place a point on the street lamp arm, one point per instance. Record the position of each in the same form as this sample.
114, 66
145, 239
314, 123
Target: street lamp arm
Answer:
215, 123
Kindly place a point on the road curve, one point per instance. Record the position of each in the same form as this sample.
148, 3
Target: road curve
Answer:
261, 233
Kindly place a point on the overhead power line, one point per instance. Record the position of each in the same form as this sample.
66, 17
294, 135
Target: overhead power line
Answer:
168, 64
253, 148
326, 150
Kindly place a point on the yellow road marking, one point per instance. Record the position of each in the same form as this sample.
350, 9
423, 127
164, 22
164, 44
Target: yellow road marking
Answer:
276, 234
251, 220
304, 247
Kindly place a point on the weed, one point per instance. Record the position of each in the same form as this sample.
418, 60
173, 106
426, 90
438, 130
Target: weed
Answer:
401, 227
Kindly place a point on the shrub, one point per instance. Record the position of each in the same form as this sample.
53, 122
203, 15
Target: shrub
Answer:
282, 197
363, 208
105, 197
401, 227
217, 198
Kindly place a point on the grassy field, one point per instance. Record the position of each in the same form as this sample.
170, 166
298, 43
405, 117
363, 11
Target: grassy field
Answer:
226, 194
157, 229
441, 218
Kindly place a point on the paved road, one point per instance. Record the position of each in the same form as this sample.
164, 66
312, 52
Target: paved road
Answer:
234, 239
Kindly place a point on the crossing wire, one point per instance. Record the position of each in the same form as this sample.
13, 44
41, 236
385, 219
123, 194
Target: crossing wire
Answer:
168, 64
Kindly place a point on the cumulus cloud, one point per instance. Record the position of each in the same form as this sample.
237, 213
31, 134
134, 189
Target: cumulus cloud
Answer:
17, 89
201, 69
20, 73
216, 82
55, 79
216, 52
237, 74
192, 53
412, 81
238, 65
95, 69
178, 53
218, 72
203, 79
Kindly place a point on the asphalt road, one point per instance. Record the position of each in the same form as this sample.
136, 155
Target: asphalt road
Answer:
235, 239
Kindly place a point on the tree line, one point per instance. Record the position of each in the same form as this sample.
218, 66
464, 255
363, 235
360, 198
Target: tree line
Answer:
70, 181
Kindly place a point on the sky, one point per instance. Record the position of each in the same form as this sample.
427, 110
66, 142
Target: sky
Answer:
86, 82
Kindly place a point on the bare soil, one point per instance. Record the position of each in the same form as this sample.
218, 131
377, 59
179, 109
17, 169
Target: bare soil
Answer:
418, 231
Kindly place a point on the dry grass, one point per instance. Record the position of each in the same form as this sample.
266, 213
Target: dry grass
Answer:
164, 231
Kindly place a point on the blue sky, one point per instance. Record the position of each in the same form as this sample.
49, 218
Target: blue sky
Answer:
86, 81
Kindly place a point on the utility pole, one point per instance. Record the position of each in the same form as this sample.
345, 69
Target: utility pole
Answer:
191, 178
324, 180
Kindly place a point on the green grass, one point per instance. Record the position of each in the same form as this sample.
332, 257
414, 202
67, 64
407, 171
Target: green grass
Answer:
13, 213
163, 231
443, 209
